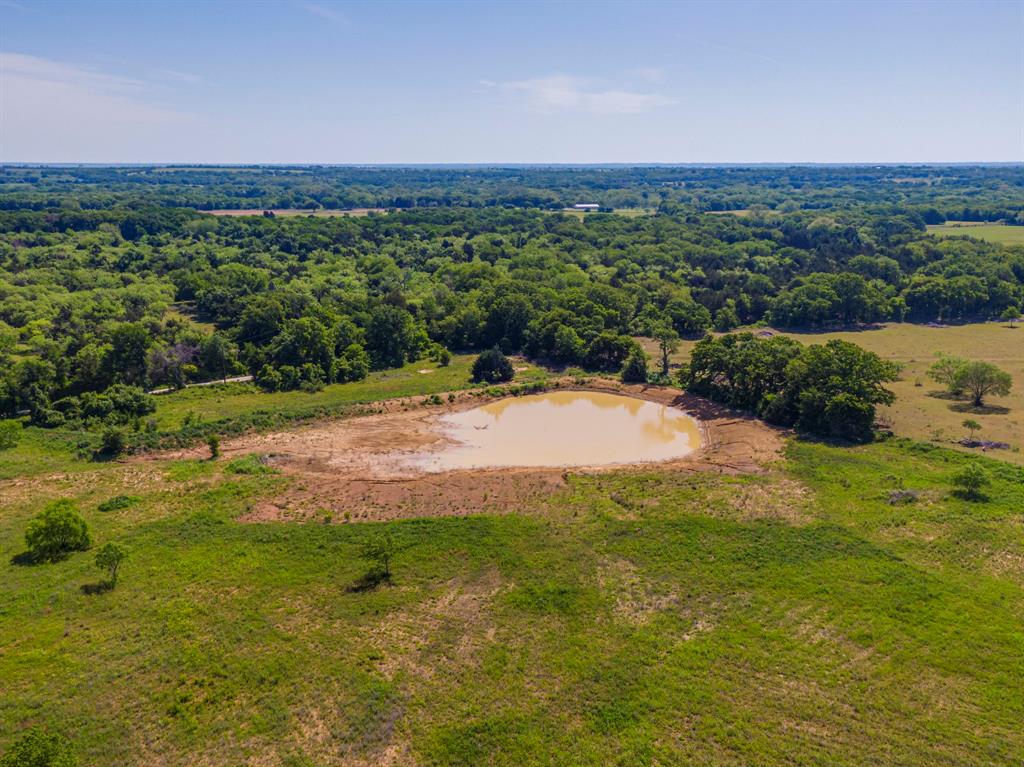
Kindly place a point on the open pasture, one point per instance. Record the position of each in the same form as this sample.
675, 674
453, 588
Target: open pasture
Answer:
316, 212
1001, 233
632, 617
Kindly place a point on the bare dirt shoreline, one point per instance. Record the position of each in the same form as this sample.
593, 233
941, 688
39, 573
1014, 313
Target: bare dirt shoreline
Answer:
354, 468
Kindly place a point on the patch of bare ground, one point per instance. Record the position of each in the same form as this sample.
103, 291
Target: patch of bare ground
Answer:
782, 499
105, 480
812, 626
636, 599
444, 634
322, 735
358, 469
1006, 563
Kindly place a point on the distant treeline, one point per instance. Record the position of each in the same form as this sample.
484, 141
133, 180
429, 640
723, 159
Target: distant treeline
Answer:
937, 193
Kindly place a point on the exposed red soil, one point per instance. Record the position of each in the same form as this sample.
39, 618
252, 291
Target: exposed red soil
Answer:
354, 468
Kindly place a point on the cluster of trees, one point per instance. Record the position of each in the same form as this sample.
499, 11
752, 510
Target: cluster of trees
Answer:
60, 530
95, 300
829, 390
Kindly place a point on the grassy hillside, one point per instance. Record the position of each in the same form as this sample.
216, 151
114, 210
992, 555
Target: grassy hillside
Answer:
638, 618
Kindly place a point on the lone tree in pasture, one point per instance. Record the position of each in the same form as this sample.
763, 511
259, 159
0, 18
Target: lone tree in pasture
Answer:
379, 551
972, 426
981, 379
635, 369
944, 371
492, 366
56, 532
1011, 314
213, 442
39, 748
109, 558
668, 344
970, 480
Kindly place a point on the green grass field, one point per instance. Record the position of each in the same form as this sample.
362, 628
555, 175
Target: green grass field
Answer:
626, 212
1001, 233
291, 212
238, 400
639, 618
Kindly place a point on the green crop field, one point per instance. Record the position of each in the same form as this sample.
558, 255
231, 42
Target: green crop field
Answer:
1001, 233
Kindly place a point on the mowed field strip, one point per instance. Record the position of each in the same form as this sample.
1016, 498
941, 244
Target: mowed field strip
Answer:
1001, 233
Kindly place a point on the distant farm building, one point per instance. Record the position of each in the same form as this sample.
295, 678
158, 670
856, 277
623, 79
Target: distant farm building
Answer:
586, 206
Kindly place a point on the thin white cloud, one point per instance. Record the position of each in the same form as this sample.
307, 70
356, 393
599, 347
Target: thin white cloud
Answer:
45, 70
182, 77
50, 108
328, 12
650, 74
564, 93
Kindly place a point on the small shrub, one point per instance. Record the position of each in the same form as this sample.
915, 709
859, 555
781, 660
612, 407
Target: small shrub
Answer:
378, 551
492, 366
970, 481
118, 502
109, 558
56, 532
901, 497
113, 443
38, 748
249, 464
10, 433
213, 442
635, 369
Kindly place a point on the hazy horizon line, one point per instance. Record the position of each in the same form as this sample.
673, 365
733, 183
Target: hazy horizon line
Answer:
709, 164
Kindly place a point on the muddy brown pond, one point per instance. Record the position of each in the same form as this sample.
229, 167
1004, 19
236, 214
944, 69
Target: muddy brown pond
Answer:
563, 428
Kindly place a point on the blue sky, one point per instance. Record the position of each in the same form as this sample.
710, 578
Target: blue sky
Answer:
297, 81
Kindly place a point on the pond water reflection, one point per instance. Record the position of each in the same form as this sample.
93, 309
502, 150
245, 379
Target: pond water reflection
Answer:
562, 428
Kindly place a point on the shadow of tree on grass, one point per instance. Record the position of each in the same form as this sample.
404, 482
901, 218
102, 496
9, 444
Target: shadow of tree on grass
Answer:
970, 407
101, 587
370, 580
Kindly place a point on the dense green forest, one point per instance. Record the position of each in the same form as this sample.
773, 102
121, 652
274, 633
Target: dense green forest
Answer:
111, 280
